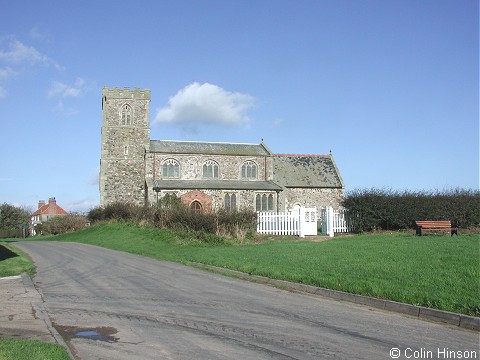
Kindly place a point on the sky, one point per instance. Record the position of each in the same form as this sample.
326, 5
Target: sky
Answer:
391, 87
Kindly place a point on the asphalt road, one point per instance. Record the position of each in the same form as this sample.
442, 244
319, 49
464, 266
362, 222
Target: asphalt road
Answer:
112, 305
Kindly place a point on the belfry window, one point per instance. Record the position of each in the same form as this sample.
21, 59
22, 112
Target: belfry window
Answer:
170, 169
126, 115
249, 170
210, 169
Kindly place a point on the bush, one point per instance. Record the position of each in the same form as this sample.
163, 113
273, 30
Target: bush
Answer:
171, 213
380, 209
63, 224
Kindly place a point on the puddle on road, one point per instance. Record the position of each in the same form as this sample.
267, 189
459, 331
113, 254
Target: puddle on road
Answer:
98, 333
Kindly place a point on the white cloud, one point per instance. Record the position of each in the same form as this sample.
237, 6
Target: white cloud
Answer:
59, 89
16, 58
19, 53
62, 91
206, 103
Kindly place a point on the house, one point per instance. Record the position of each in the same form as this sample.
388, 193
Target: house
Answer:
206, 176
45, 212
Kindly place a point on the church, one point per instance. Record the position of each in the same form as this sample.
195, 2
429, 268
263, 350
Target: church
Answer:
206, 176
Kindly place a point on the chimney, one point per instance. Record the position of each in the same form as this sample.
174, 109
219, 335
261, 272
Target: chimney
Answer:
52, 206
40, 203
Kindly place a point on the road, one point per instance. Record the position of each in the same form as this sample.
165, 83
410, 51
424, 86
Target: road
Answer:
112, 305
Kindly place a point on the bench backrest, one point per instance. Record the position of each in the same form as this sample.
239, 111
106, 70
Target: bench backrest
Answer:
438, 223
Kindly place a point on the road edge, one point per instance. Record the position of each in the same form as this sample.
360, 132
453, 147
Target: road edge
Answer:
42, 313
420, 312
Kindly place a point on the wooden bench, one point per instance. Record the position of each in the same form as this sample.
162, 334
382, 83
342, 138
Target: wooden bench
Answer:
439, 225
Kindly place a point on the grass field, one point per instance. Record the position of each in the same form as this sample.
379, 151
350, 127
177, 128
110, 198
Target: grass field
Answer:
433, 271
30, 350
14, 262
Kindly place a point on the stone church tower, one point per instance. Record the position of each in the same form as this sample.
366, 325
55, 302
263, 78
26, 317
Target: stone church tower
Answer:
125, 143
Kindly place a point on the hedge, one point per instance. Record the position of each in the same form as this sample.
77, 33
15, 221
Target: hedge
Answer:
386, 209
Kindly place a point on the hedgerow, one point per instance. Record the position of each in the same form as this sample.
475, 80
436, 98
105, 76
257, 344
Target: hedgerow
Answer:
386, 209
171, 213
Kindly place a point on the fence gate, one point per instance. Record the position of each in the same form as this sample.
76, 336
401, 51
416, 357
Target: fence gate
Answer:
335, 221
308, 219
301, 221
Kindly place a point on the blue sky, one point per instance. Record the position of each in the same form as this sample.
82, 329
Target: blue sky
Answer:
390, 86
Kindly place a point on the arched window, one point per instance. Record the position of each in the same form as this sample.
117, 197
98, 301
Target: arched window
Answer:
210, 169
230, 202
196, 207
264, 202
126, 115
249, 170
170, 169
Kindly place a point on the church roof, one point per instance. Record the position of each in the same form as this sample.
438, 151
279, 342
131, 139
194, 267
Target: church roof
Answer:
208, 148
215, 184
306, 171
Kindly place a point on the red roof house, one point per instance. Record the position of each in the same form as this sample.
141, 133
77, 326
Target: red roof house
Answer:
46, 212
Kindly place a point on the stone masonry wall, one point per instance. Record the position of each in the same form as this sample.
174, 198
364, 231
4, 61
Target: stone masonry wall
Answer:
122, 163
290, 197
191, 166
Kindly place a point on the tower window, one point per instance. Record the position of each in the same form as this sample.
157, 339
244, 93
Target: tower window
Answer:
126, 115
210, 169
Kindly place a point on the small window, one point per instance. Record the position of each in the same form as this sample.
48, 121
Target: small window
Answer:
264, 202
210, 169
126, 115
196, 207
249, 170
170, 169
230, 202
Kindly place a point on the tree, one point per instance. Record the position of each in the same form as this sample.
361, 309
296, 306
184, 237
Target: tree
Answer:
12, 217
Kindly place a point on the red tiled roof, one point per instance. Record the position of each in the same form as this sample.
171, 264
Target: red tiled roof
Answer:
50, 209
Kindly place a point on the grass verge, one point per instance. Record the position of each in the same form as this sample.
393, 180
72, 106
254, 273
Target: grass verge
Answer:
433, 271
14, 261
30, 350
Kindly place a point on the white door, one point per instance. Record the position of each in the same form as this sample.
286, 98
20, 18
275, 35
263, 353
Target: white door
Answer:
308, 219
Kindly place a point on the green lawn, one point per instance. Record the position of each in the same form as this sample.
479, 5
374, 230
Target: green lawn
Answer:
30, 350
13, 261
440, 272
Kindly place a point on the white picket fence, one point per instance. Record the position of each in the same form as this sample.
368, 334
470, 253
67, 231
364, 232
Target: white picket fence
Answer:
301, 221
335, 221
278, 223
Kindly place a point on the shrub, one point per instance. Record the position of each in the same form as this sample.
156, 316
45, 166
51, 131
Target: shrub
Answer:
170, 212
383, 209
63, 224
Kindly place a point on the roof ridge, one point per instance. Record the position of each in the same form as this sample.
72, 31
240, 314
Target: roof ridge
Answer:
312, 155
207, 142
